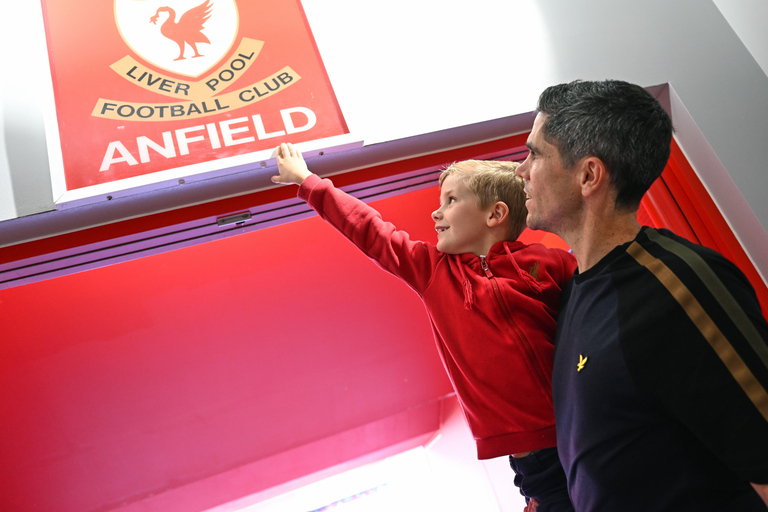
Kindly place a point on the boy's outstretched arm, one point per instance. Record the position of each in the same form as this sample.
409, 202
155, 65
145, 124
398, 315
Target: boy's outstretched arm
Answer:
393, 250
290, 165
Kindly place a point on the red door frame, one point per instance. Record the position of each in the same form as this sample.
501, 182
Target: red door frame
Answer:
679, 201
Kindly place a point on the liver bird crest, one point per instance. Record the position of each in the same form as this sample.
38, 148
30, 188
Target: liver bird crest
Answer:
188, 30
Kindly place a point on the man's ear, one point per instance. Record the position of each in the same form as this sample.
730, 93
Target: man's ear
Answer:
498, 214
593, 176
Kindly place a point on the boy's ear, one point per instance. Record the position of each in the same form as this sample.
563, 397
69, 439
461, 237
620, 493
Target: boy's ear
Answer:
498, 214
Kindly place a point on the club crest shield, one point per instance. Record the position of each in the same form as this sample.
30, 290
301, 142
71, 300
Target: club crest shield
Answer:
186, 37
152, 94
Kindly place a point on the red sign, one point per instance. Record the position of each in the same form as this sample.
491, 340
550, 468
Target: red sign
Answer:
143, 87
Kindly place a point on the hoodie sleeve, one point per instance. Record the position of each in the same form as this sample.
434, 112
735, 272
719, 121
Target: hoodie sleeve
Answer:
392, 249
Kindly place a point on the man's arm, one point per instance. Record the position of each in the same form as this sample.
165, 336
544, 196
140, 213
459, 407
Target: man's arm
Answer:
762, 490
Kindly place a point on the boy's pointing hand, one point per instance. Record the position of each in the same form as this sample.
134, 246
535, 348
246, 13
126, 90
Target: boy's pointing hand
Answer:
290, 165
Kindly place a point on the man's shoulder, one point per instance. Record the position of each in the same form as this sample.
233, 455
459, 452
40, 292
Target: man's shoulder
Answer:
670, 242
680, 254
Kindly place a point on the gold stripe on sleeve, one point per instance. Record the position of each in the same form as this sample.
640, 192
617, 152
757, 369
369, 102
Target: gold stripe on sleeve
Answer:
732, 308
717, 340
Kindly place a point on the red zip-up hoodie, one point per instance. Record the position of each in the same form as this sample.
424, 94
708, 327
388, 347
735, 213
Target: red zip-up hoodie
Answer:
493, 318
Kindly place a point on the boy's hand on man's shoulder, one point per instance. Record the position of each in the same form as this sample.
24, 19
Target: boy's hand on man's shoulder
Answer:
290, 164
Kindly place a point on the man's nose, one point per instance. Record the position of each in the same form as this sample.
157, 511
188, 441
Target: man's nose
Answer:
522, 169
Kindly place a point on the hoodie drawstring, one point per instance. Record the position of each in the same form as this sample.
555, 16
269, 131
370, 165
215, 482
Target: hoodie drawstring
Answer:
469, 295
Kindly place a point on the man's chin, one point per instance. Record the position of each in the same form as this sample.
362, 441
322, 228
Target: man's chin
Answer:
534, 224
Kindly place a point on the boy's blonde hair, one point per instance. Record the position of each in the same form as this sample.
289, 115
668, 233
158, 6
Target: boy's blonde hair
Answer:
492, 181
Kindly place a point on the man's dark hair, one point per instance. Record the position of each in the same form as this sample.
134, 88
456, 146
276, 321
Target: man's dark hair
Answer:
618, 122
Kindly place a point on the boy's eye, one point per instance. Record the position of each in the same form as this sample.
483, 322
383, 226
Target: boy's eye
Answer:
451, 200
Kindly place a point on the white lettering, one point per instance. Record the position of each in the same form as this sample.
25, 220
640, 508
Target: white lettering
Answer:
183, 141
231, 131
214, 135
227, 131
110, 158
288, 120
261, 131
167, 149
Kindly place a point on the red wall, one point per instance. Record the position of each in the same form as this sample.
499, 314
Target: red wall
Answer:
141, 377
680, 202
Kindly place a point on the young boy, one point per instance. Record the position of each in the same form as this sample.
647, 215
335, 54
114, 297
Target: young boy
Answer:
492, 302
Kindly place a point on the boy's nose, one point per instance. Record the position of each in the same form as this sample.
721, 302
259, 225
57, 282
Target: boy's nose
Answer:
436, 215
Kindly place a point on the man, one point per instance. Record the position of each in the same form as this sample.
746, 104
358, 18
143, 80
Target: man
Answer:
661, 358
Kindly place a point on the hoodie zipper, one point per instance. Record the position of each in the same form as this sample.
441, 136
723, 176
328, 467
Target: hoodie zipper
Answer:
535, 368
